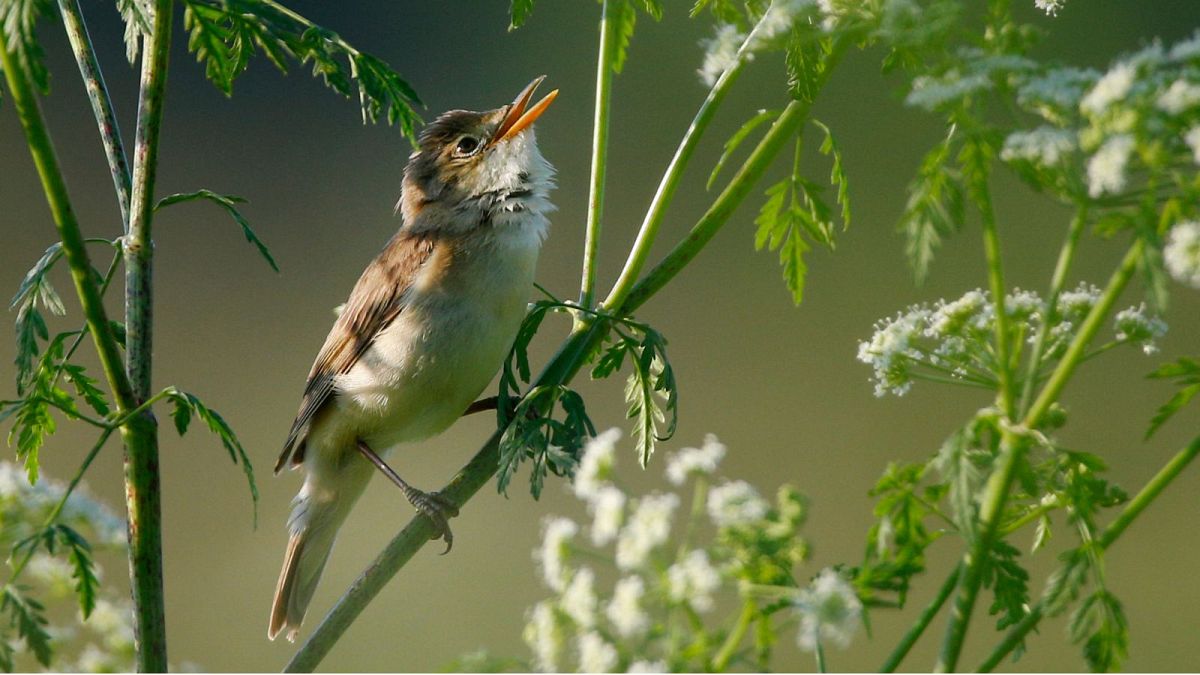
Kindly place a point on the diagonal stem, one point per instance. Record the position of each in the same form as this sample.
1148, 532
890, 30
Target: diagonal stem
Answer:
923, 620
1115, 529
97, 91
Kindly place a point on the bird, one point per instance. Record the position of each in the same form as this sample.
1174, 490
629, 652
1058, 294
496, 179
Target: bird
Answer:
424, 331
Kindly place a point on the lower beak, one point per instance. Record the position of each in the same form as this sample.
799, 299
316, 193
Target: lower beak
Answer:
520, 114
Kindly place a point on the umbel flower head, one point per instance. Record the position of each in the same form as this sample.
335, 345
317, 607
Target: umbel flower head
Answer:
954, 341
625, 585
830, 612
1182, 252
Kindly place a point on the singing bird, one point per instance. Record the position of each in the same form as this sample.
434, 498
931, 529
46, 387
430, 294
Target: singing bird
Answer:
424, 330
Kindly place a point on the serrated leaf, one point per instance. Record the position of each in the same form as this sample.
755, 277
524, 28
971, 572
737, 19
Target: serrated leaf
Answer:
28, 617
736, 140
935, 207
18, 19
642, 406
86, 388
837, 173
79, 552
185, 405
1186, 372
227, 202
625, 20
138, 16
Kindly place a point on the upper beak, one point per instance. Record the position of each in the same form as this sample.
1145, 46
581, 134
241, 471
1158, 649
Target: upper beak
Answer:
520, 115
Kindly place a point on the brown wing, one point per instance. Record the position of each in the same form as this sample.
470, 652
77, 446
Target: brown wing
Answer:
377, 299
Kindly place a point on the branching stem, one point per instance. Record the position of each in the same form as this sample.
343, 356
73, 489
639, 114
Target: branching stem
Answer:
923, 620
604, 77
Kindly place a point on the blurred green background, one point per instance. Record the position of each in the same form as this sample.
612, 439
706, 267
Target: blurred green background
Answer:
778, 384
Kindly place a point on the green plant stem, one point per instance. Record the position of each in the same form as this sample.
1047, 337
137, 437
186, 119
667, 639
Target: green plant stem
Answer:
1078, 347
1115, 529
93, 81
568, 360
1059, 279
143, 487
923, 620
995, 269
1012, 449
720, 660
670, 181
780, 133
604, 77
819, 654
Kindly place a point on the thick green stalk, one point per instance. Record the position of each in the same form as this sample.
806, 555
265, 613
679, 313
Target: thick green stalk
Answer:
93, 81
143, 487
923, 620
1012, 448
604, 77
569, 359
1059, 279
724, 655
1115, 529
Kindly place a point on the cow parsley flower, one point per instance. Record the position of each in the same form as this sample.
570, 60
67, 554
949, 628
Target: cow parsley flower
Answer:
890, 348
735, 503
694, 580
648, 527
1179, 97
1133, 325
1055, 94
608, 512
1050, 7
596, 464
1106, 169
830, 612
625, 611
557, 533
579, 599
720, 53
1182, 253
1044, 146
1187, 50
595, 654
545, 636
776, 21
1112, 87
692, 461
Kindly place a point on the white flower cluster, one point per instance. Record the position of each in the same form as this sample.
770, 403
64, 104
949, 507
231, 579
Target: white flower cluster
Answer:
1050, 7
728, 45
1044, 146
955, 340
1106, 168
1182, 252
830, 612
588, 627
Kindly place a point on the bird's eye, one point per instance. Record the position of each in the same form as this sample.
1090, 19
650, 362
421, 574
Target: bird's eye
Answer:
467, 145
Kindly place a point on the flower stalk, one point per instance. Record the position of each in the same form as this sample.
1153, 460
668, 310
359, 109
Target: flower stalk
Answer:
605, 65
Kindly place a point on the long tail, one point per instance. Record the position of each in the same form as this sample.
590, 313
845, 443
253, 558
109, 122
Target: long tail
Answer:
317, 514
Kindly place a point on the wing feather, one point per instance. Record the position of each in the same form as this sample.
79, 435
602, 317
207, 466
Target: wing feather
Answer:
377, 299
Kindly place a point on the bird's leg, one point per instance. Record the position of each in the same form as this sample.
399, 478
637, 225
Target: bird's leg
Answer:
432, 505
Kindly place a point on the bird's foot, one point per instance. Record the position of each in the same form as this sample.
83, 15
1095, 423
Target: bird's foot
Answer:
438, 509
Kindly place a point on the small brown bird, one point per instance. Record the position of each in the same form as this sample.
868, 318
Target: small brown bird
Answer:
424, 331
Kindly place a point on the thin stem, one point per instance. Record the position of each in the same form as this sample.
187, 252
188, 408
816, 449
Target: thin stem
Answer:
605, 65
923, 620
720, 660
143, 486
1115, 529
819, 654
1059, 279
731, 197
83, 332
1033, 514
991, 247
106, 120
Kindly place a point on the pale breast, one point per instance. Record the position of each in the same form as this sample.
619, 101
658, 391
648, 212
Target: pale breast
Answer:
457, 327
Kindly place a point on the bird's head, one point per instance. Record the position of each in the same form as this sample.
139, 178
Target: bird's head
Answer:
472, 168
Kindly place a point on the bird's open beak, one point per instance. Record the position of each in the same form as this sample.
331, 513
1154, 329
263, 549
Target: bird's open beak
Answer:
520, 115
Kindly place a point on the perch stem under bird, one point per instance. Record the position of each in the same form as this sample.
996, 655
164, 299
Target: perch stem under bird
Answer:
424, 331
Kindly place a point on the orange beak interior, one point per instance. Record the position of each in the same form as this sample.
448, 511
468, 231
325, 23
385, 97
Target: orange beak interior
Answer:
520, 114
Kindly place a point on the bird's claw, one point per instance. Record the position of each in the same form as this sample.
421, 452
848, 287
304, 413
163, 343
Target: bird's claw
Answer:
438, 509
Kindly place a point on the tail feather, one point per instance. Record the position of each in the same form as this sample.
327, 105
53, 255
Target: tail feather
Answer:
314, 528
